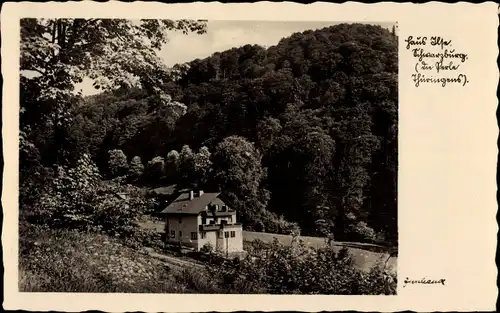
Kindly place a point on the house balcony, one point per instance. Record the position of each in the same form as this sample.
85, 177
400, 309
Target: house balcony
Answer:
210, 227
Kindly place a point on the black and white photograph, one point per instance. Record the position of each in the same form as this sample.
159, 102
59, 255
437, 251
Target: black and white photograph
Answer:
195, 156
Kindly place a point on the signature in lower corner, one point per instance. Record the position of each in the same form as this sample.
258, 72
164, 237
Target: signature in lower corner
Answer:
424, 281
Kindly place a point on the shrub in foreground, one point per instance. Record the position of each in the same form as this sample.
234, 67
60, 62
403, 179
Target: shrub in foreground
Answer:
296, 269
78, 199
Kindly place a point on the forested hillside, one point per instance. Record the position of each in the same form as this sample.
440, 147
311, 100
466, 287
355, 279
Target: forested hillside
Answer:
303, 133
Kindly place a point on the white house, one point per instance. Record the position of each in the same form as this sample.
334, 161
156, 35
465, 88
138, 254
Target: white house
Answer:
197, 218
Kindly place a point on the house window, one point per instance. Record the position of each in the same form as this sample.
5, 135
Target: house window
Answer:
180, 234
226, 234
233, 234
203, 235
172, 233
220, 235
180, 220
194, 236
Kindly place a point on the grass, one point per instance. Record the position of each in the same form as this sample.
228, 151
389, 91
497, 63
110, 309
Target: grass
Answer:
69, 261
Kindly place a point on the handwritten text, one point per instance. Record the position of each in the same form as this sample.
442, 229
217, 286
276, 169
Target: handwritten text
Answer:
436, 61
424, 281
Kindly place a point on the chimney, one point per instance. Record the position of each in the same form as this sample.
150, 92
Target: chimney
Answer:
191, 195
200, 193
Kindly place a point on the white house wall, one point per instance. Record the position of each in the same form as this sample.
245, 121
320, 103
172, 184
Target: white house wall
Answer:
231, 244
210, 237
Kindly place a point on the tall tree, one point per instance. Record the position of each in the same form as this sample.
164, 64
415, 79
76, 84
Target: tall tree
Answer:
136, 168
117, 163
58, 53
239, 173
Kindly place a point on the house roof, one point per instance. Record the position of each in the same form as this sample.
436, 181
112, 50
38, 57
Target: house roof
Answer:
182, 205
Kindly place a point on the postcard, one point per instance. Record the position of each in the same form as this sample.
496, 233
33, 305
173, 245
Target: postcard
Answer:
249, 157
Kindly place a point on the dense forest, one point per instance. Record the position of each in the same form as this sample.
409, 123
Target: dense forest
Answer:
302, 135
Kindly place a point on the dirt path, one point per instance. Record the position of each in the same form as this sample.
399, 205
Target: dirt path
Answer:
176, 262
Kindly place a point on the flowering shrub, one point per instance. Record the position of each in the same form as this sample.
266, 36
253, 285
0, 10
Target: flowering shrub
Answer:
79, 200
71, 193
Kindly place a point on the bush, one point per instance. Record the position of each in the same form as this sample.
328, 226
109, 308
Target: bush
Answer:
295, 269
279, 225
272, 223
207, 248
360, 231
78, 199
34, 183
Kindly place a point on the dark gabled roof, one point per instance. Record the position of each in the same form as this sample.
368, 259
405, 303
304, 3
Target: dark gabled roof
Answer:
182, 205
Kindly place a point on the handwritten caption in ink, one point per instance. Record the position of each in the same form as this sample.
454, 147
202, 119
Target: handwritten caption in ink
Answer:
437, 61
424, 281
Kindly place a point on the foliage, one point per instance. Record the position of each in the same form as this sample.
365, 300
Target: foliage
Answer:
239, 173
207, 248
156, 168
295, 269
118, 165
56, 54
72, 261
278, 224
362, 232
80, 200
172, 163
317, 114
186, 164
71, 193
73, 48
136, 168
202, 164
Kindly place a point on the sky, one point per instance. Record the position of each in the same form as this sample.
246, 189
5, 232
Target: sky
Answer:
224, 35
